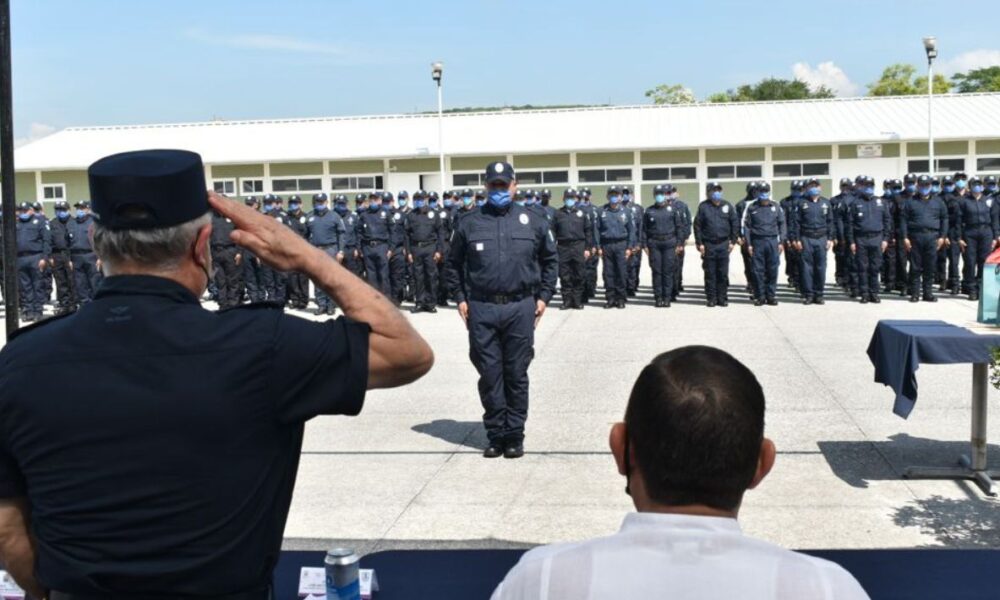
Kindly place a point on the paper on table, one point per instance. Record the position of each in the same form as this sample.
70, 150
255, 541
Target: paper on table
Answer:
8, 589
312, 583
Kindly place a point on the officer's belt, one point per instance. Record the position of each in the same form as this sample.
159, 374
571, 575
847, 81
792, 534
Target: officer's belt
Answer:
663, 238
614, 241
325, 245
376, 242
719, 241
427, 243
81, 251
773, 236
922, 230
979, 226
814, 234
262, 594
499, 298
567, 242
30, 253
869, 234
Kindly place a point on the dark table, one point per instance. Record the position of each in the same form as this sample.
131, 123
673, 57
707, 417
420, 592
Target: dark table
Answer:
896, 350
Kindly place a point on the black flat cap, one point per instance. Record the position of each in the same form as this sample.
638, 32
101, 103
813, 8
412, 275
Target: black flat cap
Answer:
499, 171
148, 189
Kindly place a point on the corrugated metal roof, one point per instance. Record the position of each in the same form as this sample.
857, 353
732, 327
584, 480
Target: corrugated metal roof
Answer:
956, 116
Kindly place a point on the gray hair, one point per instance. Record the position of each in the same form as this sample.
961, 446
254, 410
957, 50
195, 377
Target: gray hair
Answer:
161, 249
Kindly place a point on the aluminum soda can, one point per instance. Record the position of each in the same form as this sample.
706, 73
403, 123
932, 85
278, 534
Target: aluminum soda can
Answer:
342, 581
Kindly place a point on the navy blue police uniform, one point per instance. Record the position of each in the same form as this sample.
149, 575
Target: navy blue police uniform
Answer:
812, 225
716, 231
977, 232
274, 281
793, 261
765, 229
326, 230
170, 474
663, 230
590, 266
634, 262
226, 259
616, 236
62, 264
34, 246
841, 218
503, 261
351, 242
924, 223
423, 239
253, 280
953, 253
86, 276
867, 231
374, 226
574, 232
298, 283
681, 207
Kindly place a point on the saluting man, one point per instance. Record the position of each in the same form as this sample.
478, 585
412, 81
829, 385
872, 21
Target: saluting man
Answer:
502, 274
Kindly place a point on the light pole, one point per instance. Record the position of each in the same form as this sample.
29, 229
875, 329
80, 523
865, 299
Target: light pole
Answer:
437, 69
930, 45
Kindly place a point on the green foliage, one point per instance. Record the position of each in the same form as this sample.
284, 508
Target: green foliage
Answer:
977, 80
900, 80
771, 89
995, 367
670, 94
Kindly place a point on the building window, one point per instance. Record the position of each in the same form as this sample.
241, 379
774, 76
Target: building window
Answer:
540, 177
987, 164
944, 165
356, 182
224, 186
297, 184
251, 186
467, 179
735, 171
605, 175
54, 191
669, 173
801, 169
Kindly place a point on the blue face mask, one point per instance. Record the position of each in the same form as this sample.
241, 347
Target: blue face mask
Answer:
924, 191
62, 214
659, 198
320, 208
340, 208
796, 194
401, 202
24, 217
500, 198
949, 189
911, 188
960, 184
991, 188
481, 202
449, 203
433, 202
293, 206
935, 189
715, 196
886, 192
570, 202
977, 189
419, 204
467, 200
373, 207
614, 200
764, 196
530, 201
80, 213
814, 191
268, 208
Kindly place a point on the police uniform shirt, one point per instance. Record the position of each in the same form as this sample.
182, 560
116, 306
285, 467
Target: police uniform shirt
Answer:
716, 224
59, 230
221, 228
572, 225
924, 216
675, 556
423, 227
811, 218
764, 220
79, 233
328, 229
33, 236
170, 468
662, 222
868, 216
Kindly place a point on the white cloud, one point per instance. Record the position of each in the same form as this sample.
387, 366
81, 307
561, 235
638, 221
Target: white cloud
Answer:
828, 74
281, 43
36, 131
967, 61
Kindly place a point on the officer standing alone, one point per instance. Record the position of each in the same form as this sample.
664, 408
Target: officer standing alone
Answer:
506, 260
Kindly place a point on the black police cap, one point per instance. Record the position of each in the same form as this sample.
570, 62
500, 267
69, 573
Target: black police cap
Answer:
659, 189
82, 204
910, 178
924, 179
571, 193
974, 180
764, 186
961, 175
148, 189
270, 198
614, 190
947, 179
546, 193
402, 195
250, 200
36, 205
797, 184
812, 181
499, 171
845, 181
480, 193
419, 195
62, 204
519, 195
467, 192
294, 198
387, 196
989, 179
360, 197
319, 198
24, 206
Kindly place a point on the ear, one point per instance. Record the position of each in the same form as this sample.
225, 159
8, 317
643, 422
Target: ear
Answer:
513, 187
201, 245
616, 439
765, 462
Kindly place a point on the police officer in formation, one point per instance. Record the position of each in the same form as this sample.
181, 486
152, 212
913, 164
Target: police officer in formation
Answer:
793, 263
867, 225
447, 214
812, 233
950, 256
634, 262
253, 270
34, 247
326, 230
423, 239
227, 260
86, 266
47, 271
61, 263
374, 231
679, 205
616, 236
765, 232
901, 198
752, 190
924, 229
977, 233
574, 233
716, 232
399, 272
841, 252
275, 282
298, 283
664, 232
502, 274
350, 242
590, 266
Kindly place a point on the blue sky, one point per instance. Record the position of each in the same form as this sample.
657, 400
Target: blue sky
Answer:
104, 62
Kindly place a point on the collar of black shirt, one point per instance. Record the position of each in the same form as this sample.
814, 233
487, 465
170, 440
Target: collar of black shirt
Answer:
145, 285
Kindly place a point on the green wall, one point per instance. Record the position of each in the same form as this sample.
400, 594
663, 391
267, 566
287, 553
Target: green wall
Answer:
356, 167
988, 147
733, 155
802, 153
237, 171
24, 187
940, 148
668, 157
604, 159
540, 161
77, 185
313, 169
889, 150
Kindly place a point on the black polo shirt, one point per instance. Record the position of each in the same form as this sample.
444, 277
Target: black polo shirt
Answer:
158, 442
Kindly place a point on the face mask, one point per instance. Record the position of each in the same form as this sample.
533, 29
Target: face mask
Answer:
570, 202
24, 217
949, 189
418, 204
796, 194
626, 198
659, 198
960, 184
466, 200
910, 188
268, 208
991, 188
814, 191
481, 202
614, 200
977, 189
374, 207
433, 202
924, 191
935, 189
449, 203
80, 213
320, 208
886, 193
341, 209
293, 206
715, 196
529, 201
765, 196
501, 198
62, 214
402, 203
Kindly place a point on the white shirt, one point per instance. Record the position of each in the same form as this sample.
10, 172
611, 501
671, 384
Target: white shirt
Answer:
675, 557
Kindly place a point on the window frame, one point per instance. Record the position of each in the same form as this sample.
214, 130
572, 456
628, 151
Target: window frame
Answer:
253, 180
995, 169
802, 170
53, 186
477, 174
937, 164
629, 181
736, 171
354, 181
670, 173
298, 185
225, 180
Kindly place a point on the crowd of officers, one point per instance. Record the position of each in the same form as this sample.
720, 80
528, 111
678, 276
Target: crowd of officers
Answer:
921, 232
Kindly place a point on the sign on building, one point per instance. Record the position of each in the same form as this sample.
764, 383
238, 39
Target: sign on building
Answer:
869, 150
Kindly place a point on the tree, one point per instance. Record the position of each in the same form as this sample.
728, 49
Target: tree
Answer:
671, 94
772, 89
977, 80
898, 80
